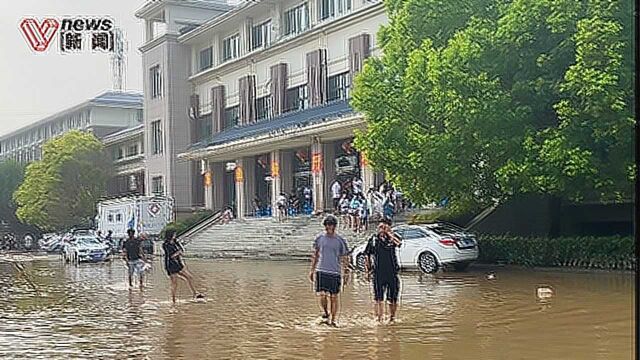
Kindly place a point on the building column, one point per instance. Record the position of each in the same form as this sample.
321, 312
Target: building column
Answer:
249, 167
240, 196
217, 180
317, 171
366, 173
286, 171
208, 186
276, 184
329, 168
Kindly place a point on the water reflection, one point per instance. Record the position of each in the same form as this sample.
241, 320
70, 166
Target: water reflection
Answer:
267, 310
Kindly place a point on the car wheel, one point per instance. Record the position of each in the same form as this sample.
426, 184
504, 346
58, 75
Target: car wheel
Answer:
427, 263
461, 266
360, 262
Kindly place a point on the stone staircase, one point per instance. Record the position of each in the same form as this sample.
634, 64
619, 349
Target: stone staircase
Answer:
262, 238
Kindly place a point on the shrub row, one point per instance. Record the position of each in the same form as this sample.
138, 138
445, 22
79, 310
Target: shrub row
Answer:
614, 253
447, 214
183, 225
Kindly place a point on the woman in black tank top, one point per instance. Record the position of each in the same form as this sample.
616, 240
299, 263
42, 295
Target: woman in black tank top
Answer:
174, 265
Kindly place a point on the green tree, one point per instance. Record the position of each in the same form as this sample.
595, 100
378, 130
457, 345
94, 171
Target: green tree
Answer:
11, 175
62, 189
480, 100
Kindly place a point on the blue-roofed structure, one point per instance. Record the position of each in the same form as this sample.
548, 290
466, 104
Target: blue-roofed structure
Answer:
291, 120
104, 114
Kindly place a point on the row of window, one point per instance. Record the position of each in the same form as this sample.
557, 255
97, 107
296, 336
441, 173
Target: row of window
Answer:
295, 21
45, 132
297, 98
126, 151
24, 155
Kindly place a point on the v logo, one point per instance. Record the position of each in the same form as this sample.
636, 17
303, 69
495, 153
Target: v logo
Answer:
39, 36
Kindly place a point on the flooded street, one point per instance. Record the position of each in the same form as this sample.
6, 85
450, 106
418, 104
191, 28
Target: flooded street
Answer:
267, 310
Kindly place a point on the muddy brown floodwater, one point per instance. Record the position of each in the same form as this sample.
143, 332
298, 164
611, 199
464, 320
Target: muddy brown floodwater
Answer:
266, 310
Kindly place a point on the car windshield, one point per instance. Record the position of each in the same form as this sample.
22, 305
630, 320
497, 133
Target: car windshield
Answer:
88, 242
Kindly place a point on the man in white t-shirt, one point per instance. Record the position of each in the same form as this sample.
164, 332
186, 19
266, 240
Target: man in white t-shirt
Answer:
336, 190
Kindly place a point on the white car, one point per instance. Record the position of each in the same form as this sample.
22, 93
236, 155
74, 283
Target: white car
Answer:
86, 248
429, 247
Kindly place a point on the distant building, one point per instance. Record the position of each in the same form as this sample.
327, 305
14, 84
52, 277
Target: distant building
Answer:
107, 113
126, 148
244, 103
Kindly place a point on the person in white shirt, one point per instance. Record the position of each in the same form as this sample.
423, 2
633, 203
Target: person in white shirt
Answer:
281, 204
336, 190
357, 185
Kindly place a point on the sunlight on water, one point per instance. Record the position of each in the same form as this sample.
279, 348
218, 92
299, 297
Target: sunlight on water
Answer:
267, 310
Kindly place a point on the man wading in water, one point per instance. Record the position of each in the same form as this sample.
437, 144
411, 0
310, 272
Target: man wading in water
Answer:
382, 247
329, 251
134, 256
174, 265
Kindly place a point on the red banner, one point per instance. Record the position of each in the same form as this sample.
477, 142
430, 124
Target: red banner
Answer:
316, 163
239, 174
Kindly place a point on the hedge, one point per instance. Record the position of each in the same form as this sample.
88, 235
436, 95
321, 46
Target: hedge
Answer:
182, 225
613, 253
453, 215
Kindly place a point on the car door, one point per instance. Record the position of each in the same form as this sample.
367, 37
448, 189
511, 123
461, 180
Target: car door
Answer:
412, 242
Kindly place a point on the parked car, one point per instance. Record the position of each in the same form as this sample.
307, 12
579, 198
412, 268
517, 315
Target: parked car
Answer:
85, 248
429, 247
52, 243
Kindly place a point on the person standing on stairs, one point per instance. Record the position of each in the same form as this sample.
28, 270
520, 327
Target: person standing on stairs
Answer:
329, 267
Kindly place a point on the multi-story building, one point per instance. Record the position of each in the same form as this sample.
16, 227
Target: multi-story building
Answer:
105, 114
243, 104
126, 148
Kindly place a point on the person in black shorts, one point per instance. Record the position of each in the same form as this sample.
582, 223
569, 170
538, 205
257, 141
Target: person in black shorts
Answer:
329, 266
133, 255
174, 265
382, 248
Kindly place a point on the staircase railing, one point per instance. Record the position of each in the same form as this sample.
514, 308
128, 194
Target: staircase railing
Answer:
483, 215
185, 236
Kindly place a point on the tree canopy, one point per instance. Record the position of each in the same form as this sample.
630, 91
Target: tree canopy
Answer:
11, 175
62, 189
478, 100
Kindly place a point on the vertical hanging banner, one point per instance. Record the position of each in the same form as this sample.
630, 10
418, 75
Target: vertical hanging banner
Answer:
275, 169
316, 162
363, 160
207, 178
239, 174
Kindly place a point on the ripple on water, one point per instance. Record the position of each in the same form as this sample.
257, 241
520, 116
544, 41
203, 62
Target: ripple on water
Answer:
268, 310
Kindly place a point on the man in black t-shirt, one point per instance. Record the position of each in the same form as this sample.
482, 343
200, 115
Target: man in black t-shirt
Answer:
134, 256
382, 249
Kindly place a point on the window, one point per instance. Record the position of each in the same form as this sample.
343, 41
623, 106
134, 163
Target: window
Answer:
206, 58
231, 47
338, 87
139, 116
118, 217
296, 20
120, 152
410, 234
333, 8
110, 218
297, 98
157, 186
132, 150
155, 79
231, 115
261, 35
157, 140
263, 107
